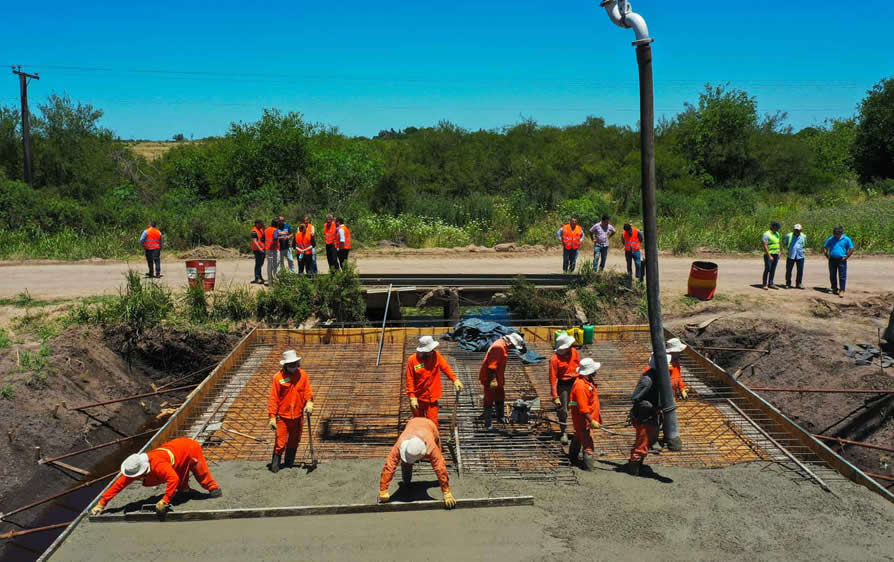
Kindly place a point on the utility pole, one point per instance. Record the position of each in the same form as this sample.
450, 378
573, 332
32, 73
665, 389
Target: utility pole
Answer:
622, 14
26, 121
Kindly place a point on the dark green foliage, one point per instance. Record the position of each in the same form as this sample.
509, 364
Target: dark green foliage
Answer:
234, 303
195, 302
874, 142
528, 302
287, 301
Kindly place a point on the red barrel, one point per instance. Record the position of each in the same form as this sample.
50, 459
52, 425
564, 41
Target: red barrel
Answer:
201, 269
702, 280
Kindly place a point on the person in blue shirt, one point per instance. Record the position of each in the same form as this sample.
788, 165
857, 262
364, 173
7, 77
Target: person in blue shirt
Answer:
838, 249
794, 243
286, 237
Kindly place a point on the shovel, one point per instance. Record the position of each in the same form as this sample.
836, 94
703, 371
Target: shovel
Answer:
310, 435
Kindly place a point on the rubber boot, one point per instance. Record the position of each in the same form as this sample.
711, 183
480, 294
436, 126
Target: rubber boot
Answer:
274, 463
406, 473
589, 462
290, 458
488, 417
574, 450
500, 407
633, 467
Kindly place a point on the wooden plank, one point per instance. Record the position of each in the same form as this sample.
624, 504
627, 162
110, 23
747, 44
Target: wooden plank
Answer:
297, 511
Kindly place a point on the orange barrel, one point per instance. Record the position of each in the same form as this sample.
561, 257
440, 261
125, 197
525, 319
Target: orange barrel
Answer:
204, 269
702, 280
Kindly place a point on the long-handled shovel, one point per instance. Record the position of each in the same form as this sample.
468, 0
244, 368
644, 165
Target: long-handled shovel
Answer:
310, 436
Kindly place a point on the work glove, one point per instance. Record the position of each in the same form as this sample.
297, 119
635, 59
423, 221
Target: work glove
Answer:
414, 402
449, 500
458, 384
557, 401
97, 509
595, 424
309, 407
384, 496
272, 423
494, 383
161, 506
684, 394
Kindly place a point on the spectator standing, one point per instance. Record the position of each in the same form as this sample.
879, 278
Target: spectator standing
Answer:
258, 247
312, 232
601, 233
794, 243
633, 243
151, 240
304, 249
838, 249
770, 240
570, 235
271, 245
330, 235
342, 242
286, 239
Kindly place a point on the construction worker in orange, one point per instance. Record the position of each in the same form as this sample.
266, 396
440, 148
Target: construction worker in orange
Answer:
419, 440
585, 412
674, 348
646, 416
290, 399
424, 370
492, 376
342, 242
171, 465
562, 373
151, 240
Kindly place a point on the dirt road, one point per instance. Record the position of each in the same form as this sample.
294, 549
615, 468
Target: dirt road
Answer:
737, 275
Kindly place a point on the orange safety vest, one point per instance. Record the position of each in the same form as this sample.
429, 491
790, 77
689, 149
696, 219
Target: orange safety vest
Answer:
269, 238
258, 243
572, 239
309, 228
346, 245
329, 232
631, 243
153, 239
302, 243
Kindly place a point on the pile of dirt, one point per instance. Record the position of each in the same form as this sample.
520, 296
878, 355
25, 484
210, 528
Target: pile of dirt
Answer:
213, 252
738, 513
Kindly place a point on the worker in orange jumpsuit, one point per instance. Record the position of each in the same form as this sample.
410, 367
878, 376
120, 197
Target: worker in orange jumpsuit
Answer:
170, 464
419, 440
290, 399
674, 348
492, 376
424, 370
646, 415
585, 412
562, 373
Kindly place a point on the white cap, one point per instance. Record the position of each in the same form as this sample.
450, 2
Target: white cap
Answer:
289, 356
588, 367
412, 450
135, 465
564, 342
674, 345
517, 340
426, 344
652, 360
797, 227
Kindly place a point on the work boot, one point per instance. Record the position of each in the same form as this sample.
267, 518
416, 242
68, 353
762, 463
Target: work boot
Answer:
633, 467
589, 461
488, 417
564, 438
215, 493
290, 458
574, 450
406, 473
501, 411
274, 463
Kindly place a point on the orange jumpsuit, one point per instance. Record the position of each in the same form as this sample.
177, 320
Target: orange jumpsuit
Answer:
288, 395
584, 401
676, 376
646, 429
424, 383
495, 360
562, 369
424, 429
170, 464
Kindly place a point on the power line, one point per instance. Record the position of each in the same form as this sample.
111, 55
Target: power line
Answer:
26, 125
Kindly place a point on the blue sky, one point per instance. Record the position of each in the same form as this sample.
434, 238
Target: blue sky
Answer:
161, 68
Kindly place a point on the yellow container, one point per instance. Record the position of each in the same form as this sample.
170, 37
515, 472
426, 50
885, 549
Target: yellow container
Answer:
578, 335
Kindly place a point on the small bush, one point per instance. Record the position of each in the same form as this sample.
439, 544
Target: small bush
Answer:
7, 392
4, 338
236, 304
141, 305
287, 301
195, 303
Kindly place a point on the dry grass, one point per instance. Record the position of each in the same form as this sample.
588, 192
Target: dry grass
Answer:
150, 150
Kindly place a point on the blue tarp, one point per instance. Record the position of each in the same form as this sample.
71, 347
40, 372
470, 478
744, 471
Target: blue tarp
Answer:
475, 334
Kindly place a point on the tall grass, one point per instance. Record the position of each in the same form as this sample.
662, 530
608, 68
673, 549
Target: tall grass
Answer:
67, 244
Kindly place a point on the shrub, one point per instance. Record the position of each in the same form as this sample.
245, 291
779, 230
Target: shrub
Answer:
236, 304
288, 301
196, 303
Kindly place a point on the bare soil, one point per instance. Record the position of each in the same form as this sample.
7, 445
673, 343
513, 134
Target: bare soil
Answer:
744, 512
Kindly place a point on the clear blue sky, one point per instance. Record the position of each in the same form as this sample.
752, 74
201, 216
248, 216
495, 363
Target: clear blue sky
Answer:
366, 66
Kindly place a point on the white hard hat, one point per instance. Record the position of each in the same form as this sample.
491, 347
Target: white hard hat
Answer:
674, 345
564, 342
289, 356
426, 344
412, 450
588, 367
652, 360
797, 227
516, 339
135, 465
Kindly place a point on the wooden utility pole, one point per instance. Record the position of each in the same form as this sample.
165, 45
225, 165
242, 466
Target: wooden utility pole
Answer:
26, 124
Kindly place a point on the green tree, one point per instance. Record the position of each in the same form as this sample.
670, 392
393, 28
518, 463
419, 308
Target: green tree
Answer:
874, 142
